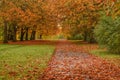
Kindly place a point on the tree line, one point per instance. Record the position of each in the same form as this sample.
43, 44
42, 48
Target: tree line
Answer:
91, 21
26, 17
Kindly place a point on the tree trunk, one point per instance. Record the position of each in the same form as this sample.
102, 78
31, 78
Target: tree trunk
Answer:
22, 35
26, 36
33, 35
14, 33
85, 36
9, 33
92, 39
5, 40
91, 36
40, 36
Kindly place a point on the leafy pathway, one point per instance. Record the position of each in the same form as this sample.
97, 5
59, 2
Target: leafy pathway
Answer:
71, 62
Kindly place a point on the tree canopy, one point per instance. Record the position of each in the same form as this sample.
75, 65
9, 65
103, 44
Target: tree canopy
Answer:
24, 19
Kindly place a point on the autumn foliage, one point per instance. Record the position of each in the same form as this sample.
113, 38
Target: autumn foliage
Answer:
25, 18
33, 19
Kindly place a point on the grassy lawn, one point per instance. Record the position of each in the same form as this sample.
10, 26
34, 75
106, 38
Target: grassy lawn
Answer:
95, 50
105, 54
115, 58
22, 62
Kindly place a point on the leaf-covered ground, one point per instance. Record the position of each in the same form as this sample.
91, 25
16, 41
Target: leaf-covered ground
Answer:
23, 62
72, 62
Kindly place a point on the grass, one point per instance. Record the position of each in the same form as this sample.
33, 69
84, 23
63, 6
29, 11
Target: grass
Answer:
95, 50
114, 58
105, 54
23, 62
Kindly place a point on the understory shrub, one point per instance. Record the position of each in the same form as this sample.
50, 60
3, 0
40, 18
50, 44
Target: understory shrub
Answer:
107, 33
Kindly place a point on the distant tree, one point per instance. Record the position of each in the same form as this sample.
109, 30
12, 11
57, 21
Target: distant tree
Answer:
79, 17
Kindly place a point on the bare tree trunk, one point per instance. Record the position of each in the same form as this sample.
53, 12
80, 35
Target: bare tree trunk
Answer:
33, 35
9, 33
85, 36
26, 36
40, 36
14, 33
22, 34
5, 40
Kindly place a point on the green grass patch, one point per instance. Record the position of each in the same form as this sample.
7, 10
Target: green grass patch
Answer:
114, 58
105, 54
23, 62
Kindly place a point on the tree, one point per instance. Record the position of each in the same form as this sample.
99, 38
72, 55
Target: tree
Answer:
3, 11
107, 33
79, 17
26, 17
